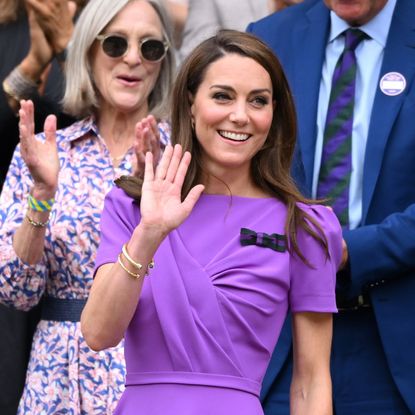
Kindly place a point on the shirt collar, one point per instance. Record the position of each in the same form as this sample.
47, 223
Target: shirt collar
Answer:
377, 28
80, 128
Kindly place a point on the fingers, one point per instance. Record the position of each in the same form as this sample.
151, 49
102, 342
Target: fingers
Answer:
175, 161
181, 170
148, 168
163, 166
147, 135
173, 165
50, 128
72, 8
37, 6
26, 120
193, 196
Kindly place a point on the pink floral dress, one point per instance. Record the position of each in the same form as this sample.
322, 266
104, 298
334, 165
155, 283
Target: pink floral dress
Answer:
64, 376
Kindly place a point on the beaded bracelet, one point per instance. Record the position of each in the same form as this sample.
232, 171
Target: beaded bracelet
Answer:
36, 224
40, 205
136, 276
134, 263
18, 86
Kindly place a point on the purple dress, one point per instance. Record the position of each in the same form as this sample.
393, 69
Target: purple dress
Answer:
211, 310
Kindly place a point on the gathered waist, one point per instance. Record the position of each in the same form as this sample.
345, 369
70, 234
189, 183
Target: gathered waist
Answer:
196, 379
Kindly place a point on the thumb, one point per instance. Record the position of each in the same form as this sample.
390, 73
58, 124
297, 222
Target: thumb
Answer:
50, 128
72, 8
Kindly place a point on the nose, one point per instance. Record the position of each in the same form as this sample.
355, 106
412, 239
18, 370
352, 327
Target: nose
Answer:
133, 55
239, 114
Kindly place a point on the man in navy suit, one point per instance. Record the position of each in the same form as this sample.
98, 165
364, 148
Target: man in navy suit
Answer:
373, 354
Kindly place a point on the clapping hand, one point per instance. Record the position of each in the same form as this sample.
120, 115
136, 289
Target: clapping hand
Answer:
40, 157
147, 138
56, 20
162, 208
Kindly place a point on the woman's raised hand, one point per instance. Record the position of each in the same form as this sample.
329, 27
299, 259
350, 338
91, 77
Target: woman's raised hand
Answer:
161, 207
40, 157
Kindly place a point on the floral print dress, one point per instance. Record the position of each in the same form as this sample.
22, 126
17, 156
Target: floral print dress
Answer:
64, 376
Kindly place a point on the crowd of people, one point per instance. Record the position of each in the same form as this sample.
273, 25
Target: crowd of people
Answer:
206, 207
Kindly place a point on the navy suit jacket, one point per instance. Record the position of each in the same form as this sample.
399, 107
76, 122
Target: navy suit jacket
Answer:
382, 248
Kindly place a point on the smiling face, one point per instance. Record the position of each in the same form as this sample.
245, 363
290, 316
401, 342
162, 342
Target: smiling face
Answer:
356, 12
232, 113
125, 83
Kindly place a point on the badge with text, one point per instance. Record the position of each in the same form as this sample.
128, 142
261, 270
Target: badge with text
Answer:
392, 84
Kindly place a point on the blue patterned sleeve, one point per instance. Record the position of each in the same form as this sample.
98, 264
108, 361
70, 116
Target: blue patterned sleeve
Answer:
21, 284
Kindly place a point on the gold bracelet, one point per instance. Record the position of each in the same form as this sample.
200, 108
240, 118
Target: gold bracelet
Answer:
36, 224
129, 259
136, 276
134, 263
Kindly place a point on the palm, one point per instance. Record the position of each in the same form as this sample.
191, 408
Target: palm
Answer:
41, 158
161, 204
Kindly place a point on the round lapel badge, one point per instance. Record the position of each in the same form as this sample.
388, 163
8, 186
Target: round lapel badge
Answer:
392, 83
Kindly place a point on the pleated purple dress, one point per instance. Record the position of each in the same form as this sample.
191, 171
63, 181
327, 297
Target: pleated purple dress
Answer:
212, 308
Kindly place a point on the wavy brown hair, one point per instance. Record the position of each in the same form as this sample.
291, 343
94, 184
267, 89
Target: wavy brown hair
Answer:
270, 167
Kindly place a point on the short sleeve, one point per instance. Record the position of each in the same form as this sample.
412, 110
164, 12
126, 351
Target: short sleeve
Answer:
312, 287
118, 221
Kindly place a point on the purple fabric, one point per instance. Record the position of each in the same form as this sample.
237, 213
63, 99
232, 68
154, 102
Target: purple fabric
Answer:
211, 310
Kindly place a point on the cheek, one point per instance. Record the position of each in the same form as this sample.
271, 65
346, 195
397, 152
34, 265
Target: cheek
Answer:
208, 116
263, 122
153, 73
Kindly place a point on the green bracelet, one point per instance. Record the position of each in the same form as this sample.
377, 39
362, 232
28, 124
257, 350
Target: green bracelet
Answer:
40, 205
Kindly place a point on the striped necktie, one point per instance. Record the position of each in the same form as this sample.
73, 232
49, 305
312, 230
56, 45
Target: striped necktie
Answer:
336, 159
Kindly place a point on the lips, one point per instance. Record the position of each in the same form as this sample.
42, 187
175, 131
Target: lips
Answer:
130, 79
233, 136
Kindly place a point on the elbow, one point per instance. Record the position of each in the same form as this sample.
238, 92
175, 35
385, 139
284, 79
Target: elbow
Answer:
97, 338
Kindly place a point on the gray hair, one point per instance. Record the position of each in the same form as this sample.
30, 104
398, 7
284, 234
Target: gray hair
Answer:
80, 98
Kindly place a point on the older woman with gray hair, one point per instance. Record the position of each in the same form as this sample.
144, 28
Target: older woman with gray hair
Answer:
119, 70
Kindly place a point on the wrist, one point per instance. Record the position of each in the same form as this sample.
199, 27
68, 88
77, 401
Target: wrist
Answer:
42, 192
17, 86
32, 69
147, 236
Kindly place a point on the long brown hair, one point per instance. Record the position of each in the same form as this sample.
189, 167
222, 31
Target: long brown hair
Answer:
270, 167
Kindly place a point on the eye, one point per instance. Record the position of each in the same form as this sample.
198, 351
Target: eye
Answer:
260, 101
221, 96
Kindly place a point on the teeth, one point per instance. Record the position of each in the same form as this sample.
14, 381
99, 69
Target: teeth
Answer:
234, 136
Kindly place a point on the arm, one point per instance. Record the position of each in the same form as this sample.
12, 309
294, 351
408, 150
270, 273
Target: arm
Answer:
390, 246
50, 28
42, 161
22, 265
310, 392
115, 292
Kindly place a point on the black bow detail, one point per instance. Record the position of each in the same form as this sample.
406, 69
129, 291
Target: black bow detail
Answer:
275, 241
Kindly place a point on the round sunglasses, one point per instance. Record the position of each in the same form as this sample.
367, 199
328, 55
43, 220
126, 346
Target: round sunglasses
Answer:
117, 46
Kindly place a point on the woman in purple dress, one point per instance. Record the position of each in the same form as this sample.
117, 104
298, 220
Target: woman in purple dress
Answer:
199, 264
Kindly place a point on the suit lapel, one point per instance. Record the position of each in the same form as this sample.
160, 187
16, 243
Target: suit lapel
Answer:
399, 57
310, 37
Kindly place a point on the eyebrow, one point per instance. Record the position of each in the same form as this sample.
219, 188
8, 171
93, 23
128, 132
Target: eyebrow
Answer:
229, 88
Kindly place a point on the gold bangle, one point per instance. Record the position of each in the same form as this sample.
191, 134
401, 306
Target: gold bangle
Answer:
136, 276
36, 224
129, 259
134, 263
